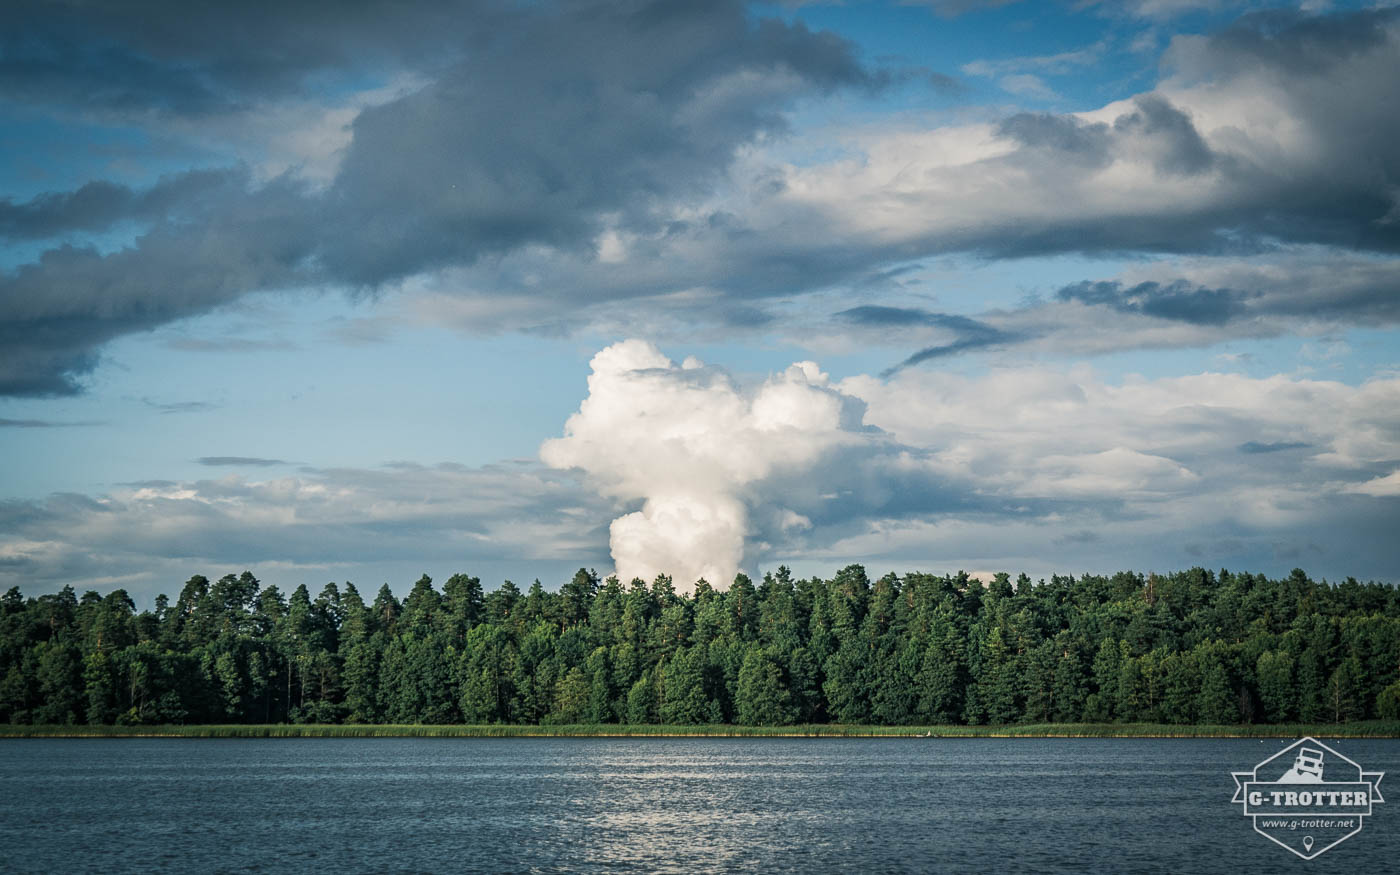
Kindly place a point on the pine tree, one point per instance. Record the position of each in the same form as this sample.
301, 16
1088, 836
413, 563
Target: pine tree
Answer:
764, 698
1216, 703
1277, 693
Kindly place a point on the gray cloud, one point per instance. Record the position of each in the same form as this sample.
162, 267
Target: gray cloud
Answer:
56, 312
969, 334
1255, 447
99, 205
1180, 148
148, 534
570, 117
145, 57
1284, 39
1152, 463
1067, 137
1176, 301
502, 180
1174, 172
629, 108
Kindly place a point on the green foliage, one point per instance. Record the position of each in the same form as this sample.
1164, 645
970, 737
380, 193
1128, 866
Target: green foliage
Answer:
764, 698
1388, 702
1186, 650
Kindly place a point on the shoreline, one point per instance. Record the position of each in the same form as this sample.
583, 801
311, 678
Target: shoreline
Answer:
1365, 729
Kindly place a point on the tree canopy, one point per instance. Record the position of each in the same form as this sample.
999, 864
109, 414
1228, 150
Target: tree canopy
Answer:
1189, 647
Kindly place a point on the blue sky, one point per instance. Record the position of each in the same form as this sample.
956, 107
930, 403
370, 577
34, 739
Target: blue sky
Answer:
364, 292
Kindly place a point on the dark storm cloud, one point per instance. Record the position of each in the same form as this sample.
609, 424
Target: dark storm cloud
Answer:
570, 114
629, 107
143, 57
55, 313
1291, 40
98, 205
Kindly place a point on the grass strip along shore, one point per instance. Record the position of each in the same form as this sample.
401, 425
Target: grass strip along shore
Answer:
1362, 729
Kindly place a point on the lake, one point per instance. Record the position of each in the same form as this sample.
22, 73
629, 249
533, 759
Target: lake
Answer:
653, 804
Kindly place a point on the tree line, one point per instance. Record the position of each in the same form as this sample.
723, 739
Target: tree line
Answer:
1188, 647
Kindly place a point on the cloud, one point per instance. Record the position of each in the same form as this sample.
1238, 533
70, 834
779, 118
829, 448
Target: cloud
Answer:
1027, 85
604, 136
1069, 424
701, 473
1148, 465
1387, 486
1056, 64
1228, 176
615, 202
1275, 130
162, 57
930, 465
152, 535
99, 205
1275, 447
1176, 303
967, 334
57, 312
631, 108
694, 447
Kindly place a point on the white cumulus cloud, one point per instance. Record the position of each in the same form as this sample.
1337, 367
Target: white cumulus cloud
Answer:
691, 444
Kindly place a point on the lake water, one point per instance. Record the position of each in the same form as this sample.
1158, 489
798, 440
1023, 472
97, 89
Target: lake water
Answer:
657, 804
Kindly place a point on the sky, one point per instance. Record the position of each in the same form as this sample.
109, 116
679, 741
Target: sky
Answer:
361, 291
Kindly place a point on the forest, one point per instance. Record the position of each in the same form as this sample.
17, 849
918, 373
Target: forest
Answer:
1188, 647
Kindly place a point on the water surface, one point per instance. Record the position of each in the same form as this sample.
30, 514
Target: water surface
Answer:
651, 804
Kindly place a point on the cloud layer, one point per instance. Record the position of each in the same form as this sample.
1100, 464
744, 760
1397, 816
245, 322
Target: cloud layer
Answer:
702, 473
649, 169
311, 525
930, 465
631, 106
